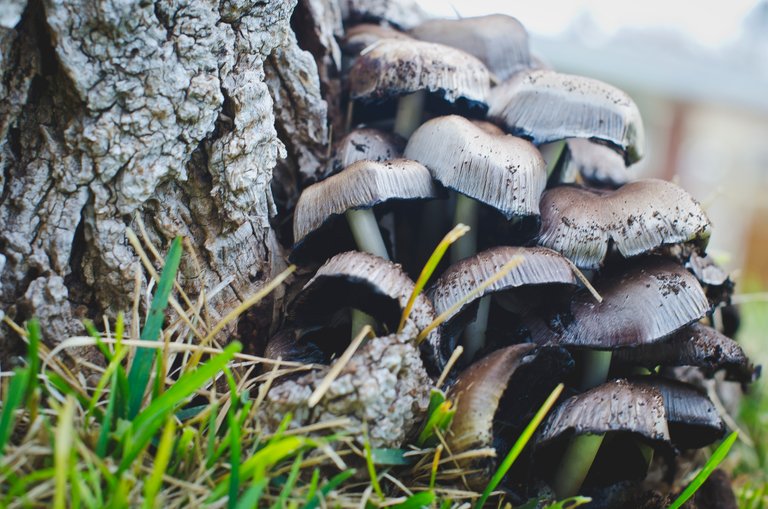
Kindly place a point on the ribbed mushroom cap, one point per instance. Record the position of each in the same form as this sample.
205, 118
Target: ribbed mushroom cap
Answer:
401, 13
365, 144
495, 398
638, 217
288, 346
644, 304
597, 164
361, 185
391, 68
540, 266
497, 40
502, 171
548, 106
366, 282
692, 418
618, 405
695, 345
359, 37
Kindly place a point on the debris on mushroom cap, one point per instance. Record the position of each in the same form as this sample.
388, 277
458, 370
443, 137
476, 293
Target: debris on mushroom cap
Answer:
401, 13
638, 217
644, 304
361, 185
365, 144
695, 345
618, 405
384, 383
548, 106
369, 283
597, 164
502, 171
391, 68
540, 266
359, 37
692, 418
497, 40
497, 396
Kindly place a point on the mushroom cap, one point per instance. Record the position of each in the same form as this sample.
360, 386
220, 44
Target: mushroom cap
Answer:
365, 144
497, 40
695, 345
547, 106
617, 405
597, 164
644, 304
361, 185
359, 37
391, 68
706, 270
638, 217
369, 283
502, 171
540, 266
498, 395
692, 418
401, 13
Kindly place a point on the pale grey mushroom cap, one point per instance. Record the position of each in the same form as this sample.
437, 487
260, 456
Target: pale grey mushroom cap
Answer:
644, 304
365, 144
502, 171
597, 164
547, 106
359, 37
364, 184
638, 217
401, 13
392, 68
539, 266
497, 40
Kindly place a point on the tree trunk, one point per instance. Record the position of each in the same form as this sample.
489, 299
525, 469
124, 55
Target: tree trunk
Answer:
175, 112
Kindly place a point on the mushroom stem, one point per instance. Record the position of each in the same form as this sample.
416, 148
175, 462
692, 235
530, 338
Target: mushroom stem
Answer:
596, 366
552, 153
474, 333
575, 464
409, 110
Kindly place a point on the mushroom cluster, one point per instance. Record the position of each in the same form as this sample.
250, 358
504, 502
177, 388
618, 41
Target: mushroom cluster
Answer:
456, 122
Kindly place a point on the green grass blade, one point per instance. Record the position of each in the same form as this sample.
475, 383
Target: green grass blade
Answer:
519, 445
33, 336
336, 481
717, 457
569, 503
313, 483
62, 453
106, 421
164, 448
142, 362
371, 467
13, 398
234, 458
417, 501
146, 424
289, 483
390, 457
252, 495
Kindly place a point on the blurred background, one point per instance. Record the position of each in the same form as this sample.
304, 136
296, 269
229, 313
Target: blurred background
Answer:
699, 73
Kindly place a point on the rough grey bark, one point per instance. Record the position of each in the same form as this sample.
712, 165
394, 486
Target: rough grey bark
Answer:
177, 111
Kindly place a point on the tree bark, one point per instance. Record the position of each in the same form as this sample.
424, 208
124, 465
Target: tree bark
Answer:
176, 112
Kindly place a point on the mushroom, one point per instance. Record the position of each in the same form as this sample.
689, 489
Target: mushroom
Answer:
598, 165
400, 13
365, 144
359, 37
638, 217
370, 284
547, 106
353, 192
540, 266
496, 397
695, 345
497, 40
394, 68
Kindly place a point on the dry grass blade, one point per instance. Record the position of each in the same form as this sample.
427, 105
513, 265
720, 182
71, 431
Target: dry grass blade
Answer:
580, 275
449, 365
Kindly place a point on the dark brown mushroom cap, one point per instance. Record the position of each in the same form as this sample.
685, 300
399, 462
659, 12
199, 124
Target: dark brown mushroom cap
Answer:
540, 266
638, 217
502, 171
547, 106
597, 164
391, 68
644, 304
695, 345
692, 418
364, 184
497, 396
497, 40
365, 144
288, 346
401, 13
366, 282
359, 37
618, 405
